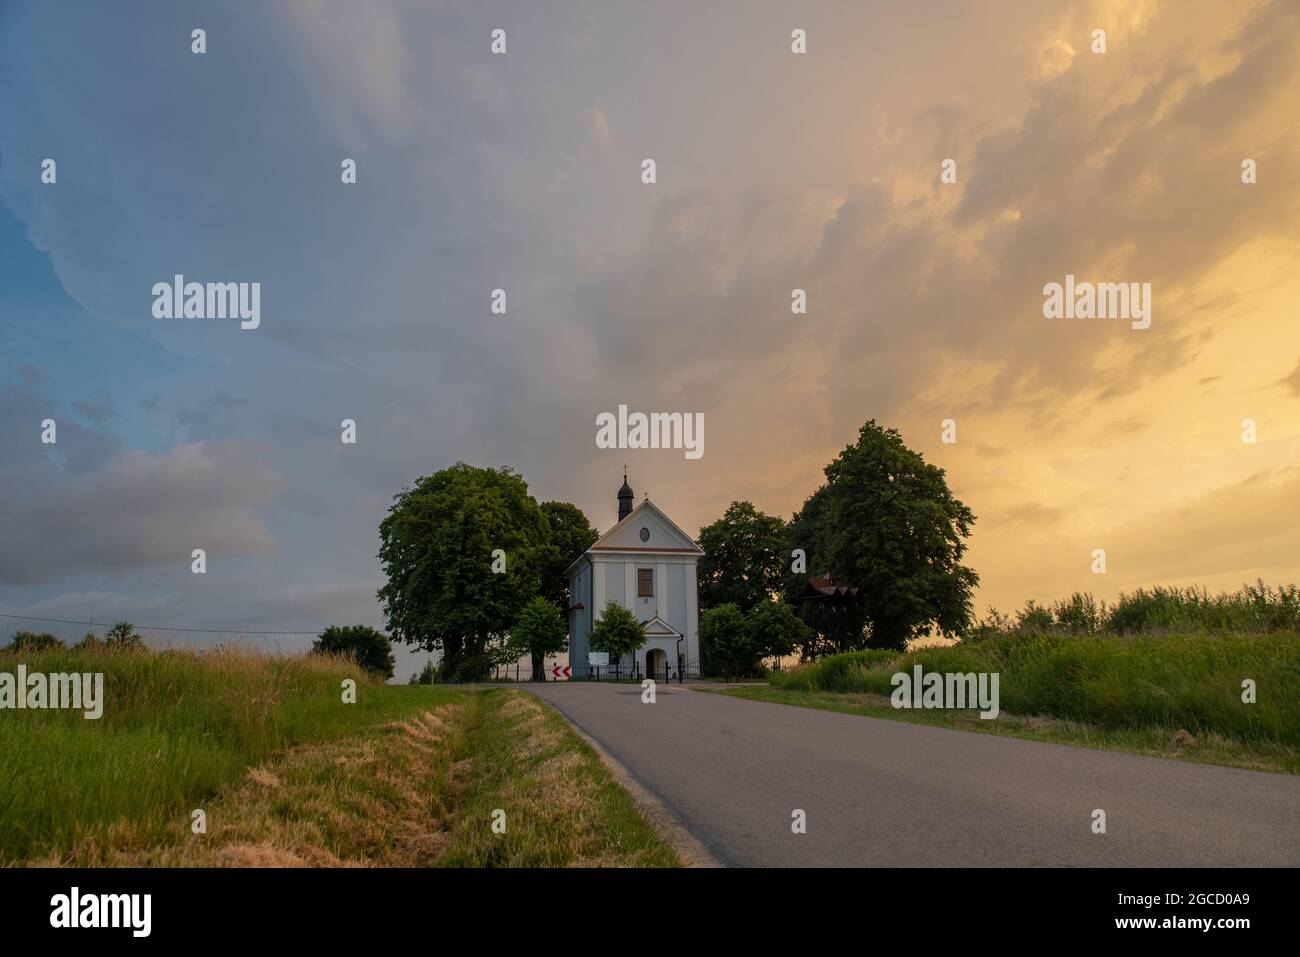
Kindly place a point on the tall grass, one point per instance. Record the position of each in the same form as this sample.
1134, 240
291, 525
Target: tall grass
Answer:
1173, 681
1251, 609
176, 725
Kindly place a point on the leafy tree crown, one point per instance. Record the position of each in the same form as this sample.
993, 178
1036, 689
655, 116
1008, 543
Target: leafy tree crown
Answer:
370, 649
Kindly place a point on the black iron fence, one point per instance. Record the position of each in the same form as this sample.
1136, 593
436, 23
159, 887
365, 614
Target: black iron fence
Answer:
637, 673
668, 673
689, 671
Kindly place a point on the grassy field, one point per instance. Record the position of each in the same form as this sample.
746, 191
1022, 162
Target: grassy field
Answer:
1174, 695
286, 773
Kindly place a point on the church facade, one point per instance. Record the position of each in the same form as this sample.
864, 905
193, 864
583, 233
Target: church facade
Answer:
646, 564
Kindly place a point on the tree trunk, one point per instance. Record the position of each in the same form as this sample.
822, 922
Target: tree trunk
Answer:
451, 649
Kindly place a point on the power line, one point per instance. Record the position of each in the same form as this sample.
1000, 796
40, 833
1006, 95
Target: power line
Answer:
202, 631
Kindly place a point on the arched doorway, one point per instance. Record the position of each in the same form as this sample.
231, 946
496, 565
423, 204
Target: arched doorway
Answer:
655, 661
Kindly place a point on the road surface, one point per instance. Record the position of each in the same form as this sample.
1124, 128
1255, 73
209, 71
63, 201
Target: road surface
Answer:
886, 793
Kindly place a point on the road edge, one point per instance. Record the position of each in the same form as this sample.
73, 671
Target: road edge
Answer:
667, 825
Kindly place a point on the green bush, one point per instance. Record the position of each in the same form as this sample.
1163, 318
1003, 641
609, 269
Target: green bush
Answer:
369, 648
617, 632
122, 637
1033, 618
27, 641
1252, 609
851, 671
725, 642
1191, 681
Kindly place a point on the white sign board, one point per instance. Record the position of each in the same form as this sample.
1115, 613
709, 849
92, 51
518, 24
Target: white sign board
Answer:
598, 659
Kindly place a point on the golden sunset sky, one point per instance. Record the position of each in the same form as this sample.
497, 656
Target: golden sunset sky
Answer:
775, 171
925, 300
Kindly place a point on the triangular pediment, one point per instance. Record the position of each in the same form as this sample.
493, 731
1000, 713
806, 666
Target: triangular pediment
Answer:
656, 627
660, 533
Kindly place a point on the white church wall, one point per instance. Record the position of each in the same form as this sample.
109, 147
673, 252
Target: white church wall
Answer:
615, 584
674, 607
597, 590
580, 620
663, 588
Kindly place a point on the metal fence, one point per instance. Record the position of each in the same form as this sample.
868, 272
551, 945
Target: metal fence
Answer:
522, 672
690, 671
638, 674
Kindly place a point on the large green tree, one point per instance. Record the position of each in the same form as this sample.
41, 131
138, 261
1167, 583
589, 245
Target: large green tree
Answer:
571, 535
887, 522
462, 550
745, 557
540, 631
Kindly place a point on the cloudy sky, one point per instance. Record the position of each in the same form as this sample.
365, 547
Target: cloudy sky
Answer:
522, 171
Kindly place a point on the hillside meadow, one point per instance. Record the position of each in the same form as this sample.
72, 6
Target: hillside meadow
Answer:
1160, 672
287, 773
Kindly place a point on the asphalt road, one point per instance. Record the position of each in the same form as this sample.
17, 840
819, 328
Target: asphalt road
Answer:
887, 793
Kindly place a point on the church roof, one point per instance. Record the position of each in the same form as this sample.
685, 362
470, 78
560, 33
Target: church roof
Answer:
646, 505
656, 627
607, 542
828, 587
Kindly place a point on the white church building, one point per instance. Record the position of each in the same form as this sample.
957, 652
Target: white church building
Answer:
646, 564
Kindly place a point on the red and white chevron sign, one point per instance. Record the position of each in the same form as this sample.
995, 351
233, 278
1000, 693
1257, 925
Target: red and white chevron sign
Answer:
557, 672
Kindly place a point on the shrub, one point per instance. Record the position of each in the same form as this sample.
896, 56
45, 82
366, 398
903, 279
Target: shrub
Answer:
369, 648
122, 637
91, 642
1183, 681
540, 631
1252, 609
774, 629
1079, 614
725, 642
848, 672
28, 641
618, 632
1034, 617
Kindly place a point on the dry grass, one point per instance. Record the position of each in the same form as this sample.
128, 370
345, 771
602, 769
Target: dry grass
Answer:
177, 727
375, 800
414, 792
563, 809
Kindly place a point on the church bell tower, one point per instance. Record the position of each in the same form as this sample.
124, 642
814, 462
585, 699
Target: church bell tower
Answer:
625, 497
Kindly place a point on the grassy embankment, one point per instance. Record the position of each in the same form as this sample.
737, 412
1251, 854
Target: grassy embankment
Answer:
1069, 675
288, 774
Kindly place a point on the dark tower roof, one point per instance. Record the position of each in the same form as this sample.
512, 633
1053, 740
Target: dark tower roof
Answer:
625, 497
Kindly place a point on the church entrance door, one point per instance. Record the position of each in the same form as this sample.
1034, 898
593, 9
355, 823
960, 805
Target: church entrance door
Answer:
655, 662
